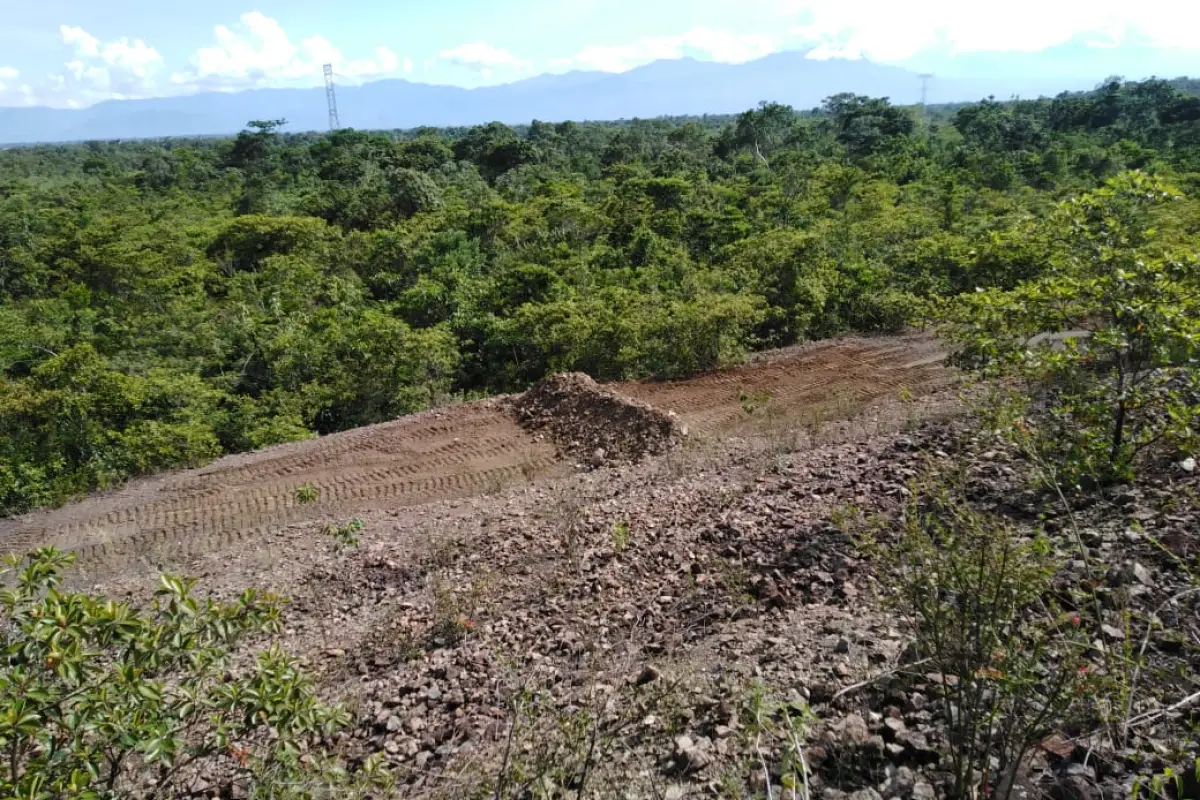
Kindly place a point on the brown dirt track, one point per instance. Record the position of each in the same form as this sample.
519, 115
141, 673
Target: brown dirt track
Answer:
819, 382
458, 451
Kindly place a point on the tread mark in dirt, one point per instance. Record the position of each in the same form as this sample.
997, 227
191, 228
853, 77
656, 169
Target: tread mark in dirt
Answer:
458, 451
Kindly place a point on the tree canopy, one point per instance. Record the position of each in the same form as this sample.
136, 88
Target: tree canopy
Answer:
165, 302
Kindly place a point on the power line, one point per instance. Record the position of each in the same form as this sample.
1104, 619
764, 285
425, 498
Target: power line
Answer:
331, 98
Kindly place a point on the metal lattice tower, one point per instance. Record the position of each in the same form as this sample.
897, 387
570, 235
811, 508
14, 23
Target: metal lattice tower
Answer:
925, 88
331, 98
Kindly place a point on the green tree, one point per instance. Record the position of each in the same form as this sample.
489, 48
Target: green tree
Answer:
1109, 333
78, 424
867, 125
412, 192
764, 129
256, 153
494, 148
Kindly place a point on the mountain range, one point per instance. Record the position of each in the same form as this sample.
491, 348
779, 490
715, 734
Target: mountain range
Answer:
672, 87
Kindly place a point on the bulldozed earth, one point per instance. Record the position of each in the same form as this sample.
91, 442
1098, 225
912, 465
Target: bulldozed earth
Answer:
240, 503
612, 591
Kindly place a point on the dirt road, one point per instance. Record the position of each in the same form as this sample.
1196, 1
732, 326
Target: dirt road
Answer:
458, 451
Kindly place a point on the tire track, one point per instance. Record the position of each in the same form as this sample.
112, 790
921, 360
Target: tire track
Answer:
455, 452
827, 381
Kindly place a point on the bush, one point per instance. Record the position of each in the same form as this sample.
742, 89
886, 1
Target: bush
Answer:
344, 537
98, 700
1107, 339
1008, 664
78, 423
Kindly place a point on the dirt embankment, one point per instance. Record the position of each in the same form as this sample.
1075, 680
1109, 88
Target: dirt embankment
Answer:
241, 503
593, 424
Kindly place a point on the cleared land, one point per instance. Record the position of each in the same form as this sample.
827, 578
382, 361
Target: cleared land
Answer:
458, 451
499, 587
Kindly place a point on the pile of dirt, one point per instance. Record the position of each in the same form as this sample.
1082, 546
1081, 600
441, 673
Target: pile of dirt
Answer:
595, 425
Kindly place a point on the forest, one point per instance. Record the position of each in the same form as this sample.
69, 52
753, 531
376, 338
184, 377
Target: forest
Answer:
166, 302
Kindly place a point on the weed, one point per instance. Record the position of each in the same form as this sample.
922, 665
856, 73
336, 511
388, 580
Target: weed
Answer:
568, 511
324, 777
556, 752
620, 534
734, 578
494, 484
847, 518
307, 494
858, 526
692, 454
529, 467
1182, 496
443, 550
755, 403
1167, 784
908, 402
769, 719
453, 614
345, 537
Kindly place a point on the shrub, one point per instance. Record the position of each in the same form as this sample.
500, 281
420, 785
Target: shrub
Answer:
1120, 374
620, 535
1008, 664
98, 700
345, 537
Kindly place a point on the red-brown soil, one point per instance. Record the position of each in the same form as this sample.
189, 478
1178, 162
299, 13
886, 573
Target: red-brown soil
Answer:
457, 451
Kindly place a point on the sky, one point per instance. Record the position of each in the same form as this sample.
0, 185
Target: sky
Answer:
73, 53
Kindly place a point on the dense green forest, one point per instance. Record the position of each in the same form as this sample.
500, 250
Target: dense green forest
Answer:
162, 303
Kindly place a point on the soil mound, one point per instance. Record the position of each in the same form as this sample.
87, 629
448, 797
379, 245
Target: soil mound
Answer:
593, 424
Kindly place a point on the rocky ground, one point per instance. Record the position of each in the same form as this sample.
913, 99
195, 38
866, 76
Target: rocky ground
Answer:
588, 422
689, 625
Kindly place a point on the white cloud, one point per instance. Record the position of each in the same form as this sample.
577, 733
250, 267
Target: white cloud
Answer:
255, 52
135, 57
385, 62
408, 66
132, 57
484, 58
100, 70
713, 44
887, 31
23, 95
259, 52
85, 44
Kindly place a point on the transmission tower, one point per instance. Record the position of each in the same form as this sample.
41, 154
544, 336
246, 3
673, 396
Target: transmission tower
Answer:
925, 78
331, 97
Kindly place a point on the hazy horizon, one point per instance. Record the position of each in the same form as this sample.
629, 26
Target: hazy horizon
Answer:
69, 54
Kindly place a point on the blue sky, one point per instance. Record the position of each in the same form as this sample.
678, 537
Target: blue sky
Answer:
77, 52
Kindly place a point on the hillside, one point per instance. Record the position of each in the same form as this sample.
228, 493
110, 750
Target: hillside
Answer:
701, 615
846, 453
460, 451
190, 299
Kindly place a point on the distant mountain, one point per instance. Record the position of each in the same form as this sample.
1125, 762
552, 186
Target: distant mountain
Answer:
1077, 64
683, 86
